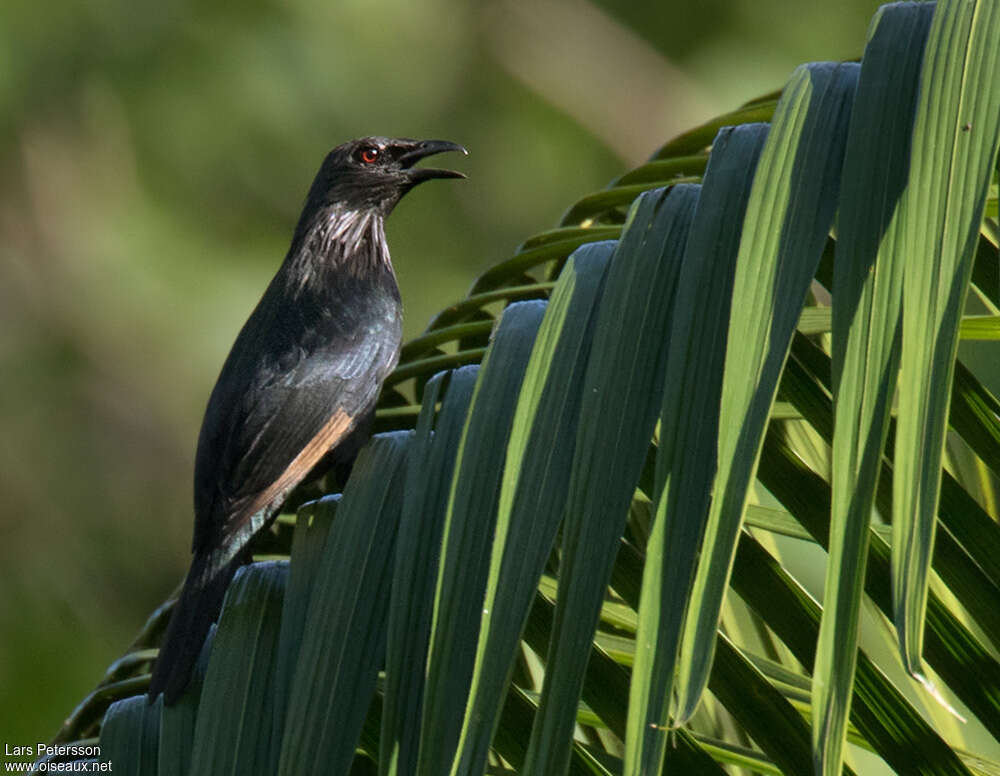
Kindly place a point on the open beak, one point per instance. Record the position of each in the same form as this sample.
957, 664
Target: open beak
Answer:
420, 150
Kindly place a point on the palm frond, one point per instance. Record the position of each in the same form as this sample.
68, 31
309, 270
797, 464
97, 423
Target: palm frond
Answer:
532, 568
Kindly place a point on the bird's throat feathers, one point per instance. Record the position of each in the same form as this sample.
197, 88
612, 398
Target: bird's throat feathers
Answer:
339, 242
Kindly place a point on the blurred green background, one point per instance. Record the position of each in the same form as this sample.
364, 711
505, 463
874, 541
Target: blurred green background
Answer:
153, 160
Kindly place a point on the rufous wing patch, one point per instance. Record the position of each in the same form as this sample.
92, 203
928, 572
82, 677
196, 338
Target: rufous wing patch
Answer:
334, 429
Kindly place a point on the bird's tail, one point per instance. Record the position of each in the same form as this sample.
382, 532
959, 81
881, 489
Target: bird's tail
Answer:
196, 610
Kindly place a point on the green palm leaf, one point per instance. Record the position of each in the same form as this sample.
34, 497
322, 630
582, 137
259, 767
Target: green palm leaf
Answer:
941, 210
789, 214
687, 389
867, 285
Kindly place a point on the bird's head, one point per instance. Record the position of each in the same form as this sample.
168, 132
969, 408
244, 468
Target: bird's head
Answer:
373, 173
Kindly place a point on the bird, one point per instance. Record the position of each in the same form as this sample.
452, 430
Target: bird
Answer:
301, 379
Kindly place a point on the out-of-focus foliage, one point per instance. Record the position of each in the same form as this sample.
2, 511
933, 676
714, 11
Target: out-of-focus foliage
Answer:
153, 157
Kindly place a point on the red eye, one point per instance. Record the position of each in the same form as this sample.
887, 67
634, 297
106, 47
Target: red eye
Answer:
368, 155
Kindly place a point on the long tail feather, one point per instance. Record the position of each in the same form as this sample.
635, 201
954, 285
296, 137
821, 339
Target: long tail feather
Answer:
198, 607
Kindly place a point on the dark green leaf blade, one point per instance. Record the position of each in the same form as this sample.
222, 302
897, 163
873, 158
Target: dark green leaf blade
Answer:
468, 533
955, 137
344, 636
235, 714
536, 476
312, 526
428, 482
621, 399
130, 736
177, 723
773, 723
867, 292
791, 209
969, 668
688, 433
896, 730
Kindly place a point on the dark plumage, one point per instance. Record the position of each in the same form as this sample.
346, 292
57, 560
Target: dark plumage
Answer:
302, 377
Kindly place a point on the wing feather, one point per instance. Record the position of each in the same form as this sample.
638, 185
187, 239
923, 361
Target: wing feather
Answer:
271, 420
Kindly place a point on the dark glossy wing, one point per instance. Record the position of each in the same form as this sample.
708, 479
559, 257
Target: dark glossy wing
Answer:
286, 396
